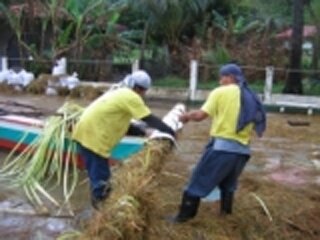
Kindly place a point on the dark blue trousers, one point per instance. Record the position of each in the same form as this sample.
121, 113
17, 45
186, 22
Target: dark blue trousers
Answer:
98, 172
216, 169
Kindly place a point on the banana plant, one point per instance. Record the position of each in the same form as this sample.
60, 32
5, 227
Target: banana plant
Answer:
168, 18
94, 20
78, 11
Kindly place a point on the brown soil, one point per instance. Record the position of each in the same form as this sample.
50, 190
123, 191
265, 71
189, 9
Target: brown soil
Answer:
292, 205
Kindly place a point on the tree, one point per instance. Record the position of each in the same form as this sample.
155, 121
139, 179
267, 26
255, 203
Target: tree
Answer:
167, 19
314, 11
293, 83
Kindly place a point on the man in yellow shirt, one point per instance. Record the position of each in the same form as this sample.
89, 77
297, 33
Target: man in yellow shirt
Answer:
105, 121
235, 111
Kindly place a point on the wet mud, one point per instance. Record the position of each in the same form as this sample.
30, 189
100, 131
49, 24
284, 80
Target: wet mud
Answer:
287, 155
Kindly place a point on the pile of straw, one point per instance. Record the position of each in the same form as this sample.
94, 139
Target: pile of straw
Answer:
125, 215
146, 194
262, 210
39, 86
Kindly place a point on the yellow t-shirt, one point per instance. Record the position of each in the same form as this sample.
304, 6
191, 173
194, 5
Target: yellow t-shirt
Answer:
223, 105
106, 120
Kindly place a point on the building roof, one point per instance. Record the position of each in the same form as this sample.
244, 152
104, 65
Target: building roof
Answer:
40, 10
308, 31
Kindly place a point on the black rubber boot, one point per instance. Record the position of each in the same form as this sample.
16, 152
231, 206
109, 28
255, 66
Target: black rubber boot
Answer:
188, 209
97, 202
226, 202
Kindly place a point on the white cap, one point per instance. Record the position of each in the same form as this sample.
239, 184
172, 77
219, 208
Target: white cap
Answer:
141, 79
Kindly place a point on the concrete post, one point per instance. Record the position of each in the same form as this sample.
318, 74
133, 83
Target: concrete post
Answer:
4, 64
64, 64
268, 84
193, 80
60, 68
135, 65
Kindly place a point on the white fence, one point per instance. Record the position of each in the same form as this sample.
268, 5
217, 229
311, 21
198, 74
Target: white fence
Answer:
193, 93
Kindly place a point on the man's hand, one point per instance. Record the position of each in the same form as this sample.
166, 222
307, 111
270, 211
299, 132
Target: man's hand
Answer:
184, 118
149, 131
194, 115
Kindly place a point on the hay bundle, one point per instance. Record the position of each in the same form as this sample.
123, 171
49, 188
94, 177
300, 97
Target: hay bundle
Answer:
5, 88
272, 210
294, 212
39, 85
87, 92
125, 214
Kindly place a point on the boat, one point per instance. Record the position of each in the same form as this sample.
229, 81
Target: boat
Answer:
18, 132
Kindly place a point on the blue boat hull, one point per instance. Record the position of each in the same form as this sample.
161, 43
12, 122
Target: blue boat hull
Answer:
17, 129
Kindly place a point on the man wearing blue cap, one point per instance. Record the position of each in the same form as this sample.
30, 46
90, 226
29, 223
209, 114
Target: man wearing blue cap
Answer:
105, 121
235, 111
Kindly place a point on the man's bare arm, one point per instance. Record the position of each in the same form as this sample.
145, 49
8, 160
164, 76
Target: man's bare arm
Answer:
194, 115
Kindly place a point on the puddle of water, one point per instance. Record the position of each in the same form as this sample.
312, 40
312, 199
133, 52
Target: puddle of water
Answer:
317, 180
213, 196
19, 220
316, 163
272, 163
291, 177
29, 227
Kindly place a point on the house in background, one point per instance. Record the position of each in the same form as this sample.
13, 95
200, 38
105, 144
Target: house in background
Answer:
309, 34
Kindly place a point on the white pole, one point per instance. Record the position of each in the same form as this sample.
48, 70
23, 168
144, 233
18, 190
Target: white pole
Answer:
65, 64
135, 65
60, 67
268, 83
193, 79
4, 64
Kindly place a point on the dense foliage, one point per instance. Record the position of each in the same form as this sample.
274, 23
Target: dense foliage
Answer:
169, 32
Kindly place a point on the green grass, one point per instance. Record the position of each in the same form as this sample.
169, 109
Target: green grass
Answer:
122, 58
258, 86
312, 89
171, 82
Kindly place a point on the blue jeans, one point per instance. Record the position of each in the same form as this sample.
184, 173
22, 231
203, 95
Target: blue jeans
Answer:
216, 169
98, 172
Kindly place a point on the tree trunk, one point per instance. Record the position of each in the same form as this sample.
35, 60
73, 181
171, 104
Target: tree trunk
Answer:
316, 54
30, 25
206, 70
316, 45
293, 83
31, 9
143, 45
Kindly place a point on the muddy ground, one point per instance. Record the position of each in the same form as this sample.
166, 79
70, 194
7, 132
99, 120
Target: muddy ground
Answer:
283, 172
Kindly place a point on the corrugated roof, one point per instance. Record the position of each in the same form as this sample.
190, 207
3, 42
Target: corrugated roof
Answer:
308, 31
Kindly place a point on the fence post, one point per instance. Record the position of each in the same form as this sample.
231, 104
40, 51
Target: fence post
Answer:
60, 67
193, 80
4, 63
135, 65
268, 83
